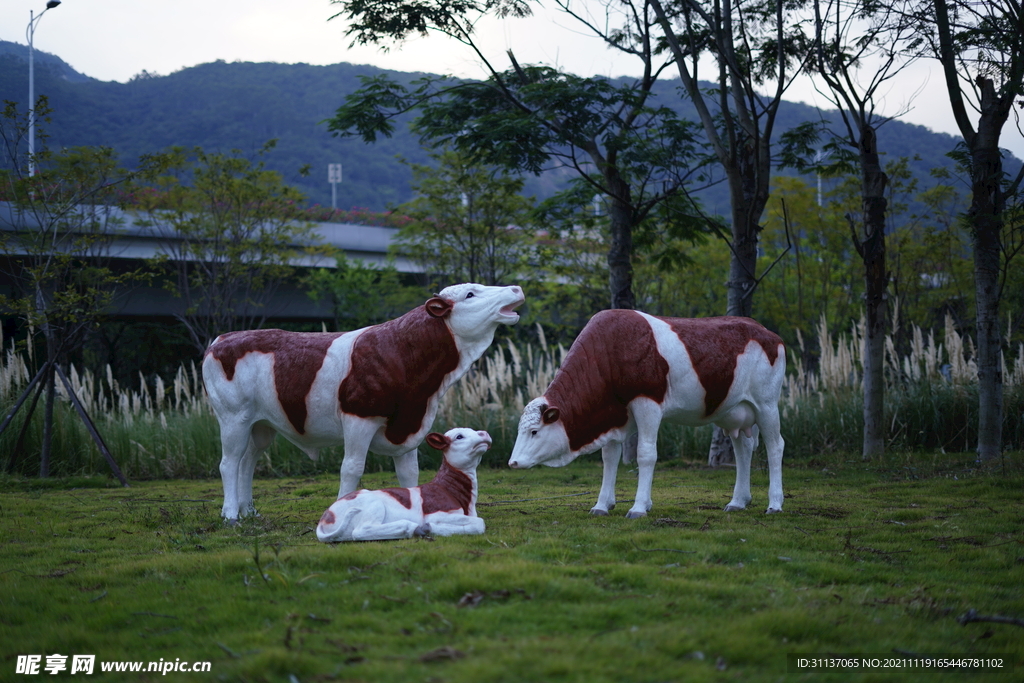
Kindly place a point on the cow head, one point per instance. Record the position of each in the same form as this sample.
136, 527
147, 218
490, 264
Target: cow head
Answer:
542, 439
475, 311
463, 448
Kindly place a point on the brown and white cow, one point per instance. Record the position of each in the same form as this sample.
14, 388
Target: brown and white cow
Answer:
374, 389
628, 371
445, 506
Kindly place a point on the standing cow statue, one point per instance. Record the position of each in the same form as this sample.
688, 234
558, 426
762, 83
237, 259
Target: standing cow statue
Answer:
628, 371
375, 389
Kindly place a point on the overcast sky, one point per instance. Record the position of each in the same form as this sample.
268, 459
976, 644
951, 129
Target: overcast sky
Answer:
113, 40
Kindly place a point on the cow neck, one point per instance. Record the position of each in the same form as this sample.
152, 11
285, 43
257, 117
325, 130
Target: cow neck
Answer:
614, 360
451, 489
397, 368
470, 352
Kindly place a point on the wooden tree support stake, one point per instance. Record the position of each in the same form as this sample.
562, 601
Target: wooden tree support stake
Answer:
78, 407
91, 427
972, 616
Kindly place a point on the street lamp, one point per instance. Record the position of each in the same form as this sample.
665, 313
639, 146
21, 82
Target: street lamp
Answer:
30, 31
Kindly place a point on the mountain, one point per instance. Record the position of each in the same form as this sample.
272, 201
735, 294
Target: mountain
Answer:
223, 106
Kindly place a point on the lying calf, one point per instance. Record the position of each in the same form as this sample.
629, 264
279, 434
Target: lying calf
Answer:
444, 507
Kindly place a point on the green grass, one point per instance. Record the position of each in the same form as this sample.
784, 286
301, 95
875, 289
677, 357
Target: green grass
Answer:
865, 559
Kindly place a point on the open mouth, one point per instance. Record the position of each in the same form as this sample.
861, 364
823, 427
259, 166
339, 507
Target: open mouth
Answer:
510, 310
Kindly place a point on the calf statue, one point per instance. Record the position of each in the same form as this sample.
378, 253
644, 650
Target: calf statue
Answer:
374, 389
628, 371
444, 507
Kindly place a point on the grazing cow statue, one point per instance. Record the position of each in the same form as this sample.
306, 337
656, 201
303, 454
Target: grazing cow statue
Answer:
628, 371
374, 389
444, 507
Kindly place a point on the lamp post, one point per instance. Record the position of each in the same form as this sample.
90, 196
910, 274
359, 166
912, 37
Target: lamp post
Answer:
30, 31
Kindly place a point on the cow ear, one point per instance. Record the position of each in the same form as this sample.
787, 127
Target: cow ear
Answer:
438, 441
438, 307
550, 415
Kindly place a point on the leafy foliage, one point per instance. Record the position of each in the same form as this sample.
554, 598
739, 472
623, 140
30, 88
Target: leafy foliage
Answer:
363, 294
59, 225
469, 223
610, 136
226, 237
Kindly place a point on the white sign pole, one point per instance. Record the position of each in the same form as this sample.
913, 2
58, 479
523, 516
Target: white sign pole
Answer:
334, 177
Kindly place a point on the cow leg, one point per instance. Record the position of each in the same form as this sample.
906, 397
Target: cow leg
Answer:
450, 525
385, 532
774, 444
260, 438
358, 435
647, 415
610, 454
407, 467
743, 447
234, 441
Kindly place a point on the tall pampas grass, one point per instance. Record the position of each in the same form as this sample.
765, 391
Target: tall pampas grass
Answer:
165, 428
931, 393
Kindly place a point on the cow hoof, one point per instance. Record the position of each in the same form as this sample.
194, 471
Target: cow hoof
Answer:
732, 508
230, 522
632, 514
422, 530
598, 512
772, 511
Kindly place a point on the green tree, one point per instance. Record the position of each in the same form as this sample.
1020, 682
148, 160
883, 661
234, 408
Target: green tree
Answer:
613, 138
469, 222
227, 238
57, 229
820, 277
756, 46
363, 294
980, 46
931, 259
848, 36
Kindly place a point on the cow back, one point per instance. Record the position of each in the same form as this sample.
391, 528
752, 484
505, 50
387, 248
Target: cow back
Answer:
614, 360
298, 357
450, 490
715, 344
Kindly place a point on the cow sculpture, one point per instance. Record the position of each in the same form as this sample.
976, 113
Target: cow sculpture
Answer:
443, 507
628, 371
376, 388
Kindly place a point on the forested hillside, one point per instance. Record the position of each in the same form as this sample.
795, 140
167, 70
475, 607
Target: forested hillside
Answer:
222, 106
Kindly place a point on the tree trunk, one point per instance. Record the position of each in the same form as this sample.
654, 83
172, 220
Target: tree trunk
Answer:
985, 216
986, 219
748, 196
747, 200
49, 336
876, 280
47, 448
620, 265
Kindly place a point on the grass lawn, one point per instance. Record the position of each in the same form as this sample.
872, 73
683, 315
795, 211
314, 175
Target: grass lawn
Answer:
865, 560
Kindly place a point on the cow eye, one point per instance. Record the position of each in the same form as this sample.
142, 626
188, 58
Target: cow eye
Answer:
459, 437
533, 433
470, 295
